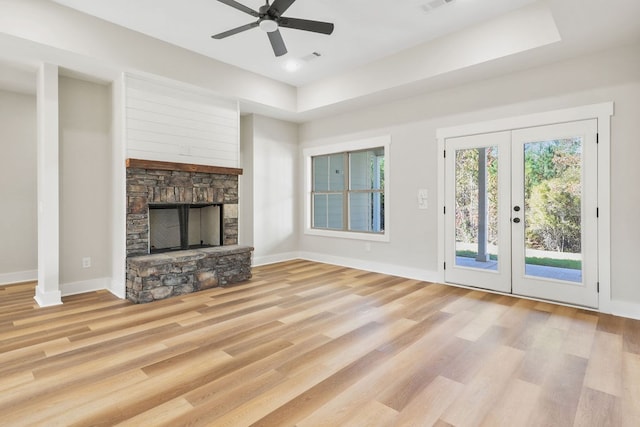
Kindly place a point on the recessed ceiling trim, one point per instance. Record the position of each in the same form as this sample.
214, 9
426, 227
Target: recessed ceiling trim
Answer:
527, 28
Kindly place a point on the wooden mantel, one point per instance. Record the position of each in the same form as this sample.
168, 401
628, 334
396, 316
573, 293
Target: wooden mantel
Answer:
183, 167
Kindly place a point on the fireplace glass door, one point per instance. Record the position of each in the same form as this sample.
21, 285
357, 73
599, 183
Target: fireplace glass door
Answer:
174, 227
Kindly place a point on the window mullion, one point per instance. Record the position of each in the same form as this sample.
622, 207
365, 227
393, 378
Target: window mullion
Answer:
345, 193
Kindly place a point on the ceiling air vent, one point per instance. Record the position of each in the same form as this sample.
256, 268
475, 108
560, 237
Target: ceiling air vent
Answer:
310, 57
434, 4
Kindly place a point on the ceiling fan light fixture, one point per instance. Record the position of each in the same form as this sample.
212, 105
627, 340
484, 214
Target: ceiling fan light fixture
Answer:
292, 65
268, 25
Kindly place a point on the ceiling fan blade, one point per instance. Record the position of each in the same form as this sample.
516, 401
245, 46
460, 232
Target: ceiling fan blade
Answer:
240, 7
277, 43
279, 7
235, 30
306, 25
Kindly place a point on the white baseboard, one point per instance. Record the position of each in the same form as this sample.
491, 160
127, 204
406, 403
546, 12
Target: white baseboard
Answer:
625, 309
375, 267
18, 277
85, 286
272, 259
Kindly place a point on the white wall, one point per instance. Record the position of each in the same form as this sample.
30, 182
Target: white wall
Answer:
18, 220
271, 146
412, 123
85, 184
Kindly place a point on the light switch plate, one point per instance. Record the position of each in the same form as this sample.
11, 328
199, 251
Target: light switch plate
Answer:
423, 196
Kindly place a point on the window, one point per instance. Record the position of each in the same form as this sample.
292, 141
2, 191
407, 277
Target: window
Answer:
347, 190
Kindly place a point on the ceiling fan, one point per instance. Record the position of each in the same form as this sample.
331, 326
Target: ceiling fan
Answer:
270, 19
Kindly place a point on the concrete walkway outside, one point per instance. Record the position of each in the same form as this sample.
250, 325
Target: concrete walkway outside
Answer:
566, 274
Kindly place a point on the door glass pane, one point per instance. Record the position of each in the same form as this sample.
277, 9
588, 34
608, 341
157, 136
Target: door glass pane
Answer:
476, 214
553, 209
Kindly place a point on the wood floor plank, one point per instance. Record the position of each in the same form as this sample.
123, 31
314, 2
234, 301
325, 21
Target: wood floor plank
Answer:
560, 392
272, 399
561, 318
630, 411
579, 340
604, 371
245, 383
427, 408
482, 322
69, 403
343, 405
220, 401
414, 378
631, 336
302, 405
465, 365
373, 413
166, 413
542, 354
370, 387
157, 390
597, 409
482, 392
310, 344
515, 406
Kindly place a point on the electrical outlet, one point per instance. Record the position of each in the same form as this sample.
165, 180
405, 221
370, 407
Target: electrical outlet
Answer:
86, 262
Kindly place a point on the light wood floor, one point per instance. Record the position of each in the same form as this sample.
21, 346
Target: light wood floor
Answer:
310, 344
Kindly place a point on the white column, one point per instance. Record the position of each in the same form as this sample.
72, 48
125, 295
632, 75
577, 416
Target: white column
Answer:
48, 289
119, 192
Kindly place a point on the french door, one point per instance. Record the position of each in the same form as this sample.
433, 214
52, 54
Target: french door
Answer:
521, 212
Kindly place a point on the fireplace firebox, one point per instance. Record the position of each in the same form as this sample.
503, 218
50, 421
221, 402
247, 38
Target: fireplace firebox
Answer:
180, 226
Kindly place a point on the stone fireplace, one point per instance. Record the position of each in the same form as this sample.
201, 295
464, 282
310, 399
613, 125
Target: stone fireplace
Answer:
188, 188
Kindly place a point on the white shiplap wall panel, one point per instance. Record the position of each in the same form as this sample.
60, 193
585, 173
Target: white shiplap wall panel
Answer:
224, 143
173, 130
180, 125
176, 123
221, 119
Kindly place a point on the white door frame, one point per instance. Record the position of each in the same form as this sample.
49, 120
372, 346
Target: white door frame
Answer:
602, 113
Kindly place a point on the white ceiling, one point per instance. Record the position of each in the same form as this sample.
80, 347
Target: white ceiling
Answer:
380, 51
365, 30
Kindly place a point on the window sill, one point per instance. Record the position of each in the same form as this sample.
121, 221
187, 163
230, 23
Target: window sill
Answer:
372, 237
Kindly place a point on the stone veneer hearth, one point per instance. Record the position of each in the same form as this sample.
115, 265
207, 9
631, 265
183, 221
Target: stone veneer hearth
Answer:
157, 276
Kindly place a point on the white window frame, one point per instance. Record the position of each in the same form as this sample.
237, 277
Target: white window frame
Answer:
357, 145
